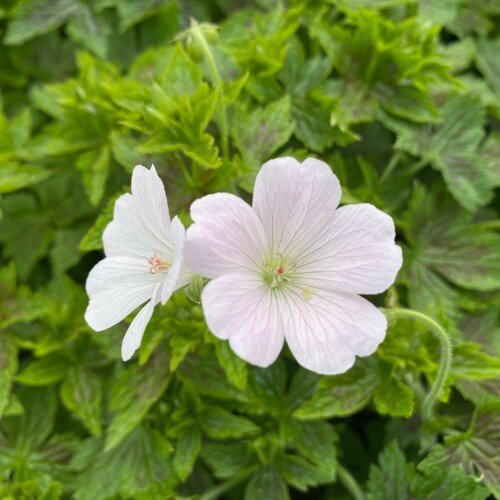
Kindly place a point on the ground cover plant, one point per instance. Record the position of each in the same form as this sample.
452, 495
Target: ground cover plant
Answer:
400, 97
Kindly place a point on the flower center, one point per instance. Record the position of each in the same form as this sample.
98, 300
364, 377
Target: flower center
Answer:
157, 264
279, 271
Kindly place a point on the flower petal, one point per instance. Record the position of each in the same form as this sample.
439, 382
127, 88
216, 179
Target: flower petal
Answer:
133, 337
141, 220
294, 201
172, 281
116, 286
240, 308
356, 253
226, 237
327, 330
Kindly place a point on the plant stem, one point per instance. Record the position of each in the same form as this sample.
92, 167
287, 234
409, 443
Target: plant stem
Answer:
396, 157
218, 490
216, 79
446, 355
417, 166
350, 483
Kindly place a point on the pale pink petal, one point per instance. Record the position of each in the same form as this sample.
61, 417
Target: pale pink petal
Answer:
226, 236
141, 219
326, 330
133, 337
116, 286
294, 201
356, 253
239, 307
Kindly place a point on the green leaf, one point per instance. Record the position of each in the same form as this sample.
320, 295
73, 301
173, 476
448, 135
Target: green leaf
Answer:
475, 449
407, 101
93, 238
372, 4
134, 392
16, 176
94, 165
312, 124
90, 29
302, 387
45, 371
471, 364
342, 395
24, 231
268, 386
130, 13
441, 13
31, 429
394, 398
314, 441
19, 304
219, 423
64, 253
194, 288
142, 463
450, 482
235, 368
8, 368
490, 158
259, 133
391, 477
226, 460
180, 124
187, 449
301, 474
31, 18
81, 393
266, 483
451, 148
352, 104
487, 61
451, 244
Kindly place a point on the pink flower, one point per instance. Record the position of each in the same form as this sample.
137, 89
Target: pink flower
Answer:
143, 261
291, 266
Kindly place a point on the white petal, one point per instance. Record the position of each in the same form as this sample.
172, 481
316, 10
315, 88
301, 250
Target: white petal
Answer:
226, 237
141, 219
294, 201
240, 308
176, 235
133, 337
326, 331
116, 286
356, 253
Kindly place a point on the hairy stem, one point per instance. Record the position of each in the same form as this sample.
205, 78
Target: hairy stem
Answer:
198, 35
446, 355
350, 483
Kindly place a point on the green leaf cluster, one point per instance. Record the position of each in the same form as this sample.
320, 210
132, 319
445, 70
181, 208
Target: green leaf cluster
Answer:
400, 97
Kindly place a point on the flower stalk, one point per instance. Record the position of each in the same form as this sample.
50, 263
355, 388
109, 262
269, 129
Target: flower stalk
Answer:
198, 35
350, 483
446, 355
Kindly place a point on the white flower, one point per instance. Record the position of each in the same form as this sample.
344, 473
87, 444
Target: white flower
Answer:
291, 267
143, 261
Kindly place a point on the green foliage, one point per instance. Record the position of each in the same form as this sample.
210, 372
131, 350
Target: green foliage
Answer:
400, 97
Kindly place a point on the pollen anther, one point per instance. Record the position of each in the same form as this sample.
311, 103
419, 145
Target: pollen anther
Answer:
157, 264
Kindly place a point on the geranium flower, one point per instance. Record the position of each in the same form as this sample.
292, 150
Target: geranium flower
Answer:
291, 266
143, 249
